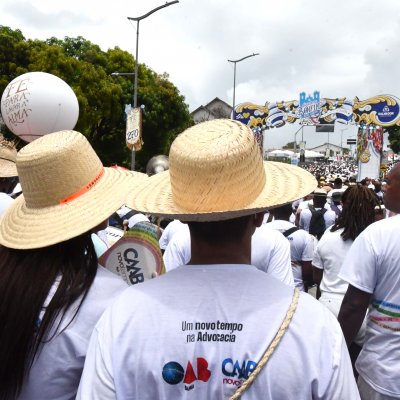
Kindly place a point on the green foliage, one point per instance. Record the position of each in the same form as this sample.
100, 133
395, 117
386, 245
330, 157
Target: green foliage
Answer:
102, 97
394, 138
289, 146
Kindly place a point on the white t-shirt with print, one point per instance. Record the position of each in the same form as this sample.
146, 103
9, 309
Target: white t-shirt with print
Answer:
372, 265
270, 252
301, 248
56, 372
328, 256
198, 332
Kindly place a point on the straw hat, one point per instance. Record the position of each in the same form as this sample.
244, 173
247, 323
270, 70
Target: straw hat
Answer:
8, 153
66, 192
216, 172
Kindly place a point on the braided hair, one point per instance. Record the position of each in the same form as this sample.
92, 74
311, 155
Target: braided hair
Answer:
358, 212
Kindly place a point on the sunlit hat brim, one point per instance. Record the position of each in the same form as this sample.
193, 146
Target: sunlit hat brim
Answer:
22, 227
284, 184
8, 169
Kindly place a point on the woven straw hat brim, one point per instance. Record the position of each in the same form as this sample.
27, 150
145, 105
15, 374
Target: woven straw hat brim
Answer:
284, 184
8, 169
26, 228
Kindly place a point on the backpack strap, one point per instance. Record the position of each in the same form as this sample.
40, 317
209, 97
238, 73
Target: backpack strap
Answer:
289, 231
313, 210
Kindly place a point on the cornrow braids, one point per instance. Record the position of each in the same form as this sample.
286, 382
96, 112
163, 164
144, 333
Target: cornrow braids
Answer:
358, 212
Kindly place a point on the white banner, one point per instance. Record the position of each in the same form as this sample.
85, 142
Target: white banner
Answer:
134, 128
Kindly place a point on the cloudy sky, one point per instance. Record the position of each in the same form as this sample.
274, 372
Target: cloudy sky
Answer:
341, 48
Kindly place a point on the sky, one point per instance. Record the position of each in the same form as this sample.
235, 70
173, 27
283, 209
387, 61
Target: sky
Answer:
341, 48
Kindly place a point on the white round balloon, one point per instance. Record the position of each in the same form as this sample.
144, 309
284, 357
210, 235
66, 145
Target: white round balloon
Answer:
37, 103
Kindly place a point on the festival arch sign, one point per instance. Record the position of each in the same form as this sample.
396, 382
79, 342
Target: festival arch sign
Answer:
371, 115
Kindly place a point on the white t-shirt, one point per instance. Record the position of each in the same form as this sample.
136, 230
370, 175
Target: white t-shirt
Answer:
170, 230
57, 370
136, 218
372, 265
301, 248
198, 332
328, 256
305, 218
270, 252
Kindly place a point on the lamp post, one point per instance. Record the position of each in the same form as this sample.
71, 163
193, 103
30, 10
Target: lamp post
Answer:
135, 84
234, 77
341, 139
138, 19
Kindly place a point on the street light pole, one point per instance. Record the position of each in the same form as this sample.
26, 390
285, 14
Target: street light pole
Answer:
138, 19
234, 77
341, 139
135, 85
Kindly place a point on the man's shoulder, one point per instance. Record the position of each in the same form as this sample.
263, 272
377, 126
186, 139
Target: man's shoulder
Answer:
385, 226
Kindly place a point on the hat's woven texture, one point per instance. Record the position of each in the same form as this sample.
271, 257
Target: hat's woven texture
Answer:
66, 192
8, 153
216, 172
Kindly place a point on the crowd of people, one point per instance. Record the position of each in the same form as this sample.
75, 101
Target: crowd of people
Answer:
281, 282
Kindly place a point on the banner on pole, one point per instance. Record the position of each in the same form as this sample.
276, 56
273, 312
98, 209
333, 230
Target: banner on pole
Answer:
134, 128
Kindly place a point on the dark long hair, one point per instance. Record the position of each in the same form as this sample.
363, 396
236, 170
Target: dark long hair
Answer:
26, 277
358, 212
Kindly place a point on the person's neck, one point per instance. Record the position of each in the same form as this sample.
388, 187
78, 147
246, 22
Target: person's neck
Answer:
205, 254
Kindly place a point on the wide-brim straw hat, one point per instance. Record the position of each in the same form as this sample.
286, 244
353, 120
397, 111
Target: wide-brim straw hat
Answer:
66, 192
8, 154
216, 172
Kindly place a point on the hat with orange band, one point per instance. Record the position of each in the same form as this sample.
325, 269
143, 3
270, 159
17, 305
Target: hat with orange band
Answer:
66, 191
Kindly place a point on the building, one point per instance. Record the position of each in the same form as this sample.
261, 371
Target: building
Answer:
334, 149
213, 110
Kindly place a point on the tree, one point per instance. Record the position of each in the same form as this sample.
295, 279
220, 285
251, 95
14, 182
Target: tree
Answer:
394, 137
102, 97
289, 146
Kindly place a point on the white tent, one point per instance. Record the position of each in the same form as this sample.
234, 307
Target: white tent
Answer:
312, 154
280, 153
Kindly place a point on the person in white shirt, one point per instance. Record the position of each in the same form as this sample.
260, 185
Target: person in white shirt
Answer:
270, 252
169, 231
301, 246
371, 268
52, 290
319, 202
358, 212
337, 187
201, 331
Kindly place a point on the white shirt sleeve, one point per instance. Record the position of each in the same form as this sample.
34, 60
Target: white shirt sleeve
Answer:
317, 260
279, 264
305, 217
330, 218
164, 239
308, 249
340, 383
177, 252
97, 382
359, 265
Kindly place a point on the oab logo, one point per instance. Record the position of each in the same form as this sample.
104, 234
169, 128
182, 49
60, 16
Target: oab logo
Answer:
237, 372
173, 373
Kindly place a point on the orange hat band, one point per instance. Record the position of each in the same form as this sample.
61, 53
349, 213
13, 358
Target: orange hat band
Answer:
85, 189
